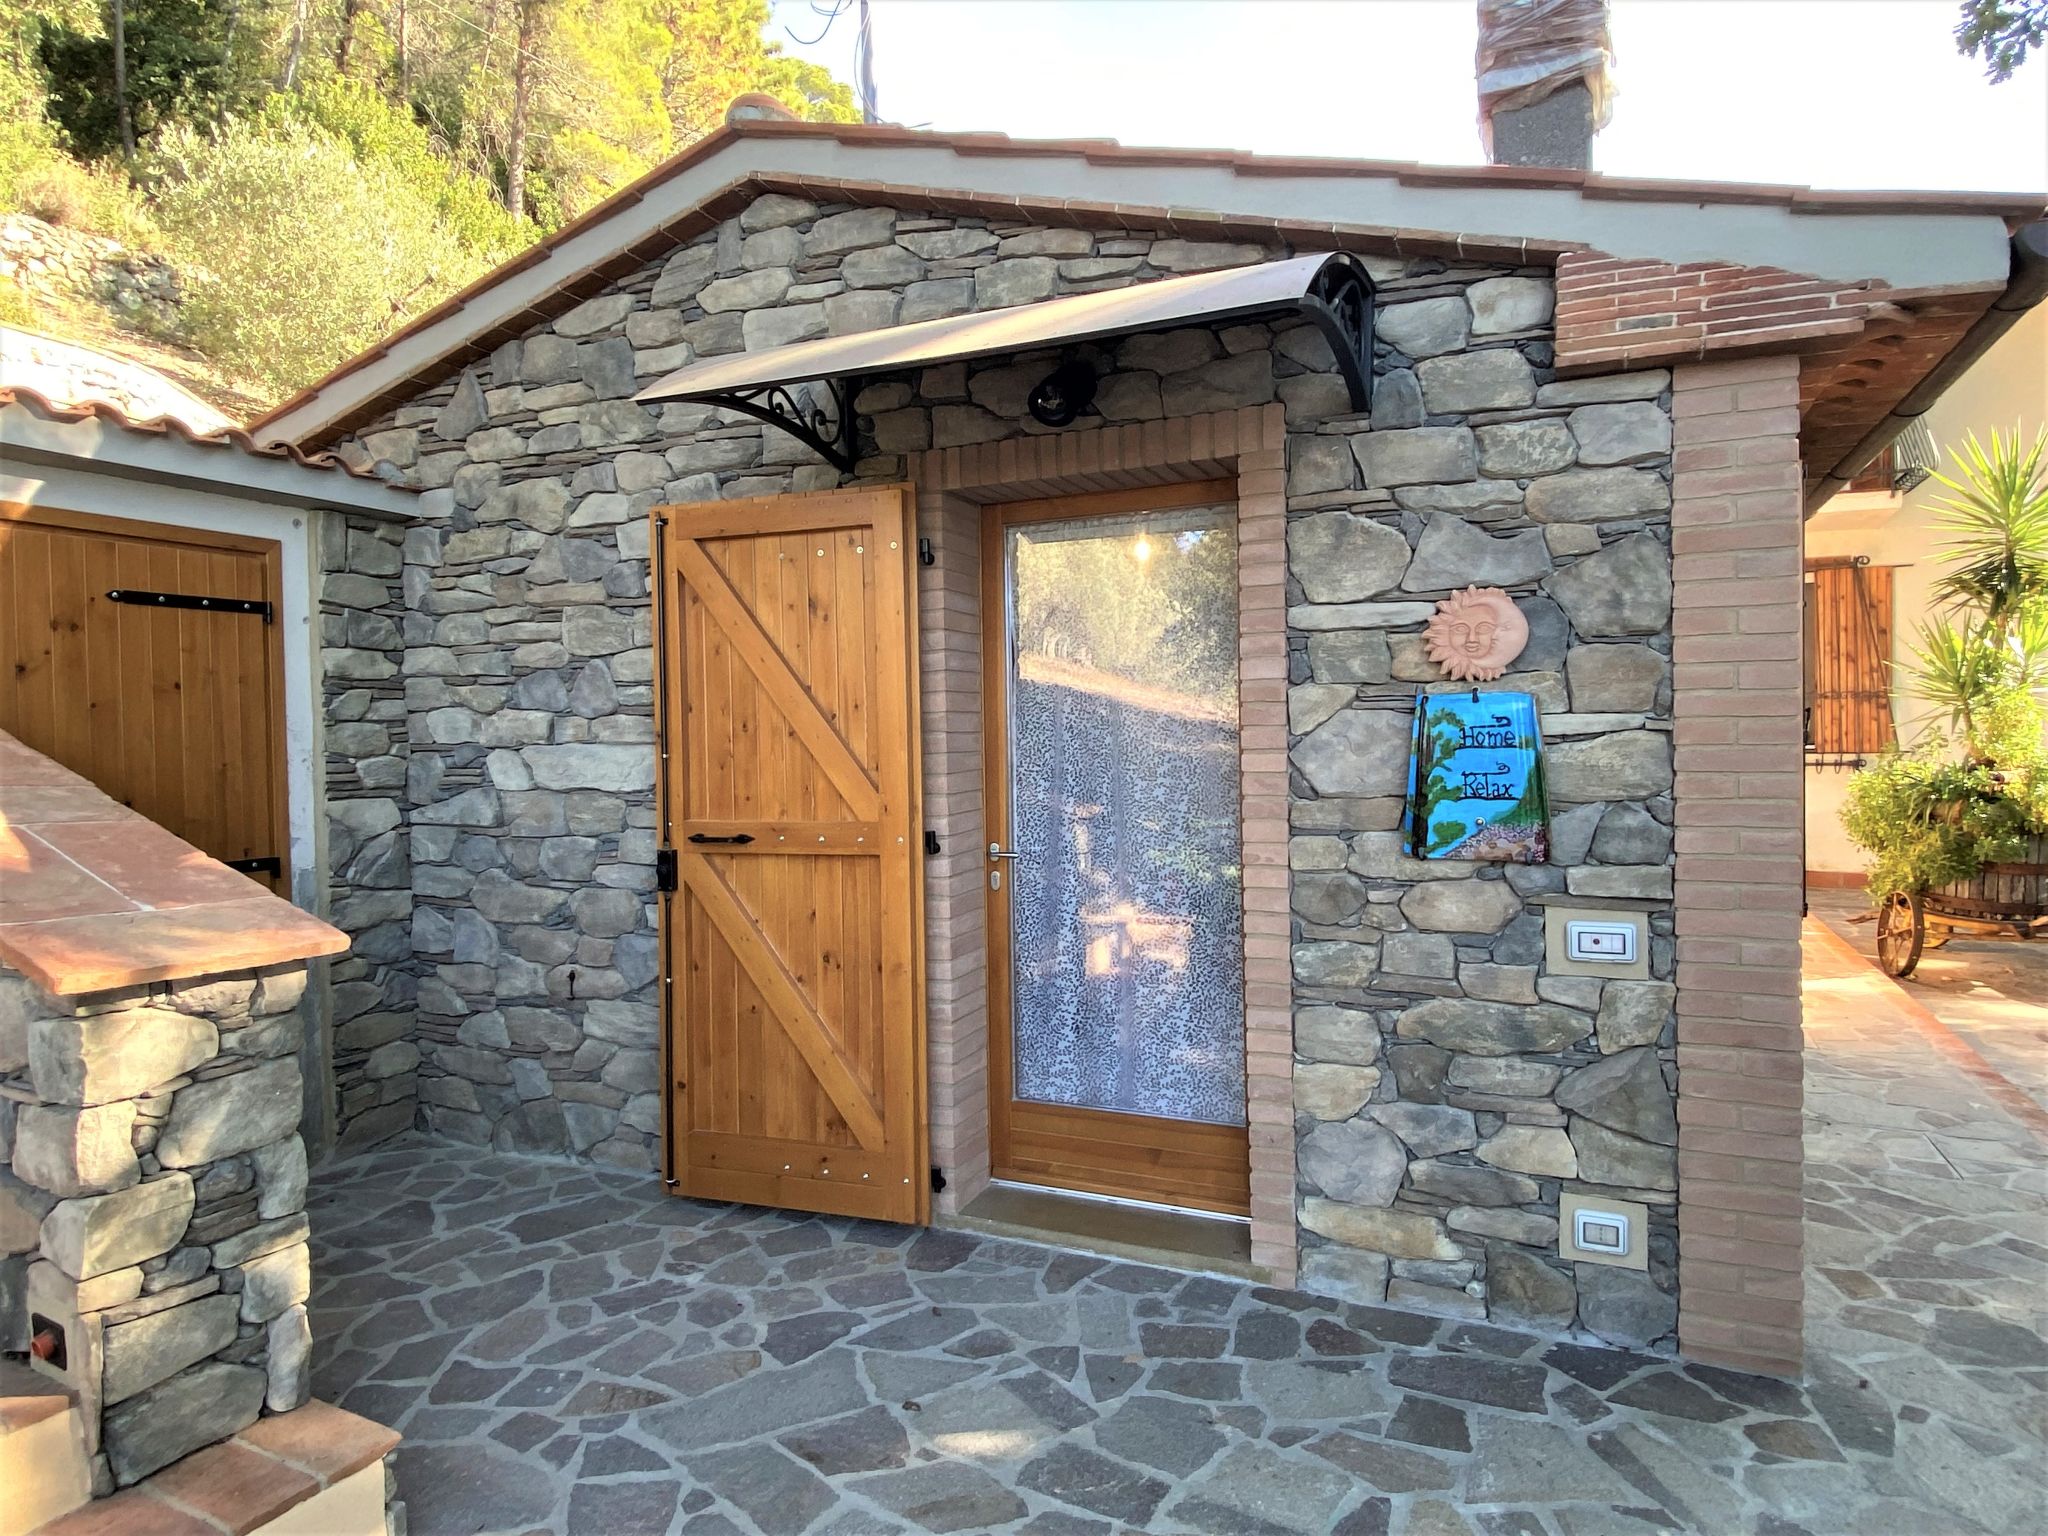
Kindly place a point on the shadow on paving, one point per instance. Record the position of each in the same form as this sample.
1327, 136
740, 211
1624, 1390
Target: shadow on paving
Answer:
567, 1349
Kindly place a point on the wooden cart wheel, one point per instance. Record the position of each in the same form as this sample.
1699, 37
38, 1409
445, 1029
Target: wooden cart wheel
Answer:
1901, 930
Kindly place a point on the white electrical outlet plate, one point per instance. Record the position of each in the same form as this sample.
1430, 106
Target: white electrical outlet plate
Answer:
1594, 1230
1592, 941
1600, 1232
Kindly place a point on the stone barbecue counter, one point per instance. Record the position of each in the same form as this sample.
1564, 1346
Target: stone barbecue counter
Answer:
95, 897
152, 1179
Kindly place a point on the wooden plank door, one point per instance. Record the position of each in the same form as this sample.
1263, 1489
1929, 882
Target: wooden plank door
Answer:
175, 711
794, 1030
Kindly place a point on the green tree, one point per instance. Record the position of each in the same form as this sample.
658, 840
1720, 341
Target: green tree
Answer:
380, 131
2001, 32
717, 52
295, 253
174, 58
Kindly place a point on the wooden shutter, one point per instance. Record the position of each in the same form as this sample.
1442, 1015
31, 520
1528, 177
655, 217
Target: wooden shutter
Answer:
795, 1025
175, 711
1848, 659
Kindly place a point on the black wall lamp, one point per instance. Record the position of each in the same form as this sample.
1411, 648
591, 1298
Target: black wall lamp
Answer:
1065, 393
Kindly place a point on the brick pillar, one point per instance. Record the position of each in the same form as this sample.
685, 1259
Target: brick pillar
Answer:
1262, 745
1735, 539
956, 943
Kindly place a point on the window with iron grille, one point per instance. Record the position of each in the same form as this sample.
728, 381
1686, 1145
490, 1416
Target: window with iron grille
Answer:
1848, 654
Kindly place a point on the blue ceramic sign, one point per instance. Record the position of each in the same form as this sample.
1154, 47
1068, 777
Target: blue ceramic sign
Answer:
1475, 779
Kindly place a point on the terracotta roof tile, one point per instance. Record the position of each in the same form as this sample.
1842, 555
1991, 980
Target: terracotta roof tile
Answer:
171, 427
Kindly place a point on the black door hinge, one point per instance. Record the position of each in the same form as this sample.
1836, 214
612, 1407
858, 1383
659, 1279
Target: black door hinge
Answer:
192, 600
931, 843
665, 869
938, 1182
924, 553
272, 866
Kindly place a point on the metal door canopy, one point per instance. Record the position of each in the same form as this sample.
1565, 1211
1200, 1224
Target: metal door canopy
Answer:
1332, 292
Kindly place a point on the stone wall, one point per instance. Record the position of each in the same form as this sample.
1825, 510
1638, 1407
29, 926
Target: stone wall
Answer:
153, 1206
1448, 1088
369, 994
61, 266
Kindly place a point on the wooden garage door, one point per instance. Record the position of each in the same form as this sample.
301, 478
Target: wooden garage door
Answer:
795, 1026
177, 711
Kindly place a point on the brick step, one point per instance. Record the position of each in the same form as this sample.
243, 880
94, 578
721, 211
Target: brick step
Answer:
315, 1469
42, 1451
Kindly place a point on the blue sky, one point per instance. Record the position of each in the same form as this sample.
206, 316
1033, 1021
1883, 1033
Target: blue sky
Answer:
1836, 93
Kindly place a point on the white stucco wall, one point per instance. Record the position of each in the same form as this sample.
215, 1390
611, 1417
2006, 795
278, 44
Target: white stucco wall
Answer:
106, 495
2007, 387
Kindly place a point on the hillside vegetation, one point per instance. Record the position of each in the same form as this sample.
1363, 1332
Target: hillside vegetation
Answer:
320, 170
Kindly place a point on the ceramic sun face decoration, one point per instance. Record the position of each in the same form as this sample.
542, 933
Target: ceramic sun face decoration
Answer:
1475, 633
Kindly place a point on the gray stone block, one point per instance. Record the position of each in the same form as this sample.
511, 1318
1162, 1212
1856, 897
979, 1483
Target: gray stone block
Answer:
1353, 1161
1452, 553
191, 1410
1598, 495
1523, 1291
1356, 752
76, 1151
1493, 1029
1341, 558
140, 1354
226, 1115
1623, 433
288, 1350
275, 1282
1425, 327
1625, 1092
97, 1058
1497, 379
1624, 1306
1417, 456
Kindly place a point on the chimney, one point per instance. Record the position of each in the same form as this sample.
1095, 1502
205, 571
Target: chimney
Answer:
1544, 87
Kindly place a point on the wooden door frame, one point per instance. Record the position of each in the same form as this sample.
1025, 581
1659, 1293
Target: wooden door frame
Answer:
1014, 1128
272, 553
756, 515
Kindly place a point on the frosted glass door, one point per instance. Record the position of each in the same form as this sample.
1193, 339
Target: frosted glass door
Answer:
1126, 910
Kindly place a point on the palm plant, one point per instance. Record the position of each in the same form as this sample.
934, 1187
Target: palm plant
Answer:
1993, 641
1996, 522
1924, 817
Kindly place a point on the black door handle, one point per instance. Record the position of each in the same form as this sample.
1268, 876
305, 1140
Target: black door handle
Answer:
706, 837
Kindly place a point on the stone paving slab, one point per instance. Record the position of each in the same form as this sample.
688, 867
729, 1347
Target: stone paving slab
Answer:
1992, 993
567, 1349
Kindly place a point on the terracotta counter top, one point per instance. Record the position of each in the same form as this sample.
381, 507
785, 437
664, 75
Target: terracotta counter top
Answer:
93, 896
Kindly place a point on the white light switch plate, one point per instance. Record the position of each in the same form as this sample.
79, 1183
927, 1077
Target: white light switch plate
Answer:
1619, 948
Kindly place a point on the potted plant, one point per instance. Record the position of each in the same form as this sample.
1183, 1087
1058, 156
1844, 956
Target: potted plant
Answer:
1972, 794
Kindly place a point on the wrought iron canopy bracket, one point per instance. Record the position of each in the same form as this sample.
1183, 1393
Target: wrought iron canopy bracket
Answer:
1339, 303
829, 434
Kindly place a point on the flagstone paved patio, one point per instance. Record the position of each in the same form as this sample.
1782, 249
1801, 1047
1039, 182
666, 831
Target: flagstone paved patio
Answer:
566, 1349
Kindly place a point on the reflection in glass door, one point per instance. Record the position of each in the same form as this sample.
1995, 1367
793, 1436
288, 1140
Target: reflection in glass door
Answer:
1117, 948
